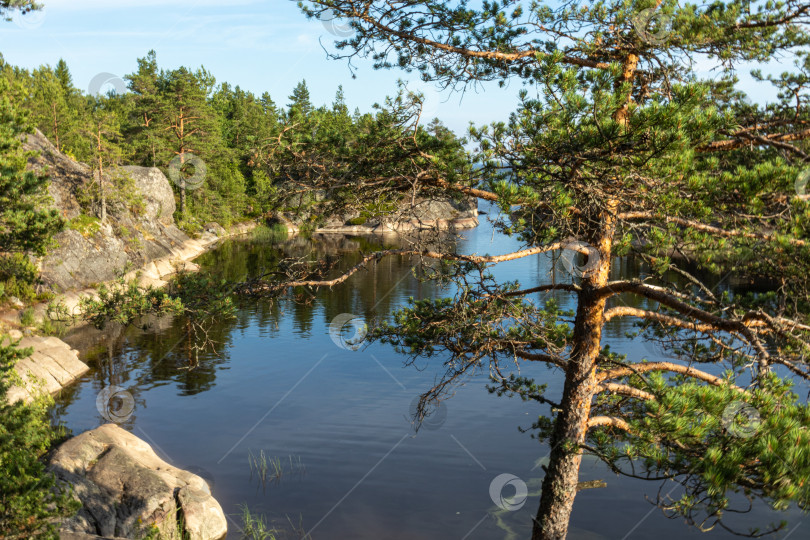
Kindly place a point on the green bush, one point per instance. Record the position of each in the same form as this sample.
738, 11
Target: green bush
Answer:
17, 265
31, 500
52, 328
277, 232
27, 317
189, 225
18, 277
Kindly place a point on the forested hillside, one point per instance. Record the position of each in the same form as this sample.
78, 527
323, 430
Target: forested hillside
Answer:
230, 153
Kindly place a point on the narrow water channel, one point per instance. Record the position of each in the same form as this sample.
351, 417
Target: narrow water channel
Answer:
339, 420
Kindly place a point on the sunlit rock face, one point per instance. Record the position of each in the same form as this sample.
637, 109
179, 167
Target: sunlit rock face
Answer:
126, 490
92, 252
52, 365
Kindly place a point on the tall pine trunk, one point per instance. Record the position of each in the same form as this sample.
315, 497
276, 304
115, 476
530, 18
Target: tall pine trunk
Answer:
571, 425
102, 194
56, 127
182, 184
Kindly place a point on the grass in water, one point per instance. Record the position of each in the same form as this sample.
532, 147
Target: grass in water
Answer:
271, 469
254, 527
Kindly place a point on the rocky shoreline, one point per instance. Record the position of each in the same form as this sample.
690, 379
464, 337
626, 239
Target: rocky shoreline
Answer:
125, 489
444, 214
52, 366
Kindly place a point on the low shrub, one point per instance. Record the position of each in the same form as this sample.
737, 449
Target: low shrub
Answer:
31, 500
18, 277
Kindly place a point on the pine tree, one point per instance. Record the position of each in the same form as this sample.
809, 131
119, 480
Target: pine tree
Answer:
187, 119
300, 106
25, 223
103, 128
30, 499
51, 106
144, 132
622, 149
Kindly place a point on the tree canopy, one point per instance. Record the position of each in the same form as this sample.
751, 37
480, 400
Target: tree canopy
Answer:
621, 148
24, 223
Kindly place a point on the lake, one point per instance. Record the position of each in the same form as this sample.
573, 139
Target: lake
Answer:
339, 420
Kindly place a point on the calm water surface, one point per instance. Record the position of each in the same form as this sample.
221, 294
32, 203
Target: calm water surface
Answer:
281, 385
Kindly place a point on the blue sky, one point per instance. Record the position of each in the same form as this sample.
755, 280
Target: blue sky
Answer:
260, 45
256, 44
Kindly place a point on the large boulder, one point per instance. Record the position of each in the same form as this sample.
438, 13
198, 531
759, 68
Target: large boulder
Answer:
90, 252
156, 191
126, 490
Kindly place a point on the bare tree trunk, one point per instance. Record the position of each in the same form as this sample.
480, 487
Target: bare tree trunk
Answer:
571, 425
55, 127
102, 195
182, 184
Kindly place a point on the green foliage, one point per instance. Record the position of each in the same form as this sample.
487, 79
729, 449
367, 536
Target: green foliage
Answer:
18, 277
274, 233
27, 317
328, 163
255, 154
85, 224
24, 224
201, 299
30, 498
19, 266
757, 441
255, 527
621, 144
124, 302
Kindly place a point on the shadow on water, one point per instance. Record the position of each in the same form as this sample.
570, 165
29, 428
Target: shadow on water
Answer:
281, 386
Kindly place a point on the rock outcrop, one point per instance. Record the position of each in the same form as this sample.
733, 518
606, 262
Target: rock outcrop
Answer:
443, 213
427, 214
52, 366
126, 490
130, 238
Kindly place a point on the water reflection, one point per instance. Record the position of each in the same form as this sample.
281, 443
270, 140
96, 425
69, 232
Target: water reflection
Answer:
279, 384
